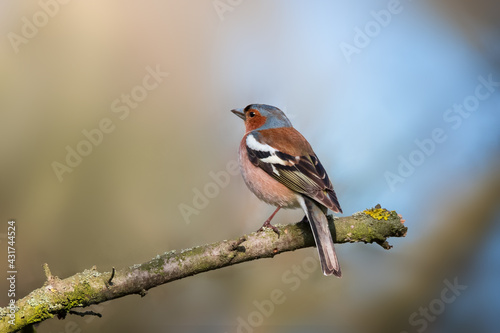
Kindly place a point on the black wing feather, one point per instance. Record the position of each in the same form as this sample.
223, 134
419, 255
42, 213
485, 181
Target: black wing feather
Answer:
303, 174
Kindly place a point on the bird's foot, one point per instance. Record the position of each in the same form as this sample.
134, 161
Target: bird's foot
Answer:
268, 224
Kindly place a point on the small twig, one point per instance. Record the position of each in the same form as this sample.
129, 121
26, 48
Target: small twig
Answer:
112, 276
46, 269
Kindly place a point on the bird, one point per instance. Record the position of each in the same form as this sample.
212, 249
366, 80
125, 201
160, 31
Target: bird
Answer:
280, 167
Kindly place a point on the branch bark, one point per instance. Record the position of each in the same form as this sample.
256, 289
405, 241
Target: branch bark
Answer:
58, 297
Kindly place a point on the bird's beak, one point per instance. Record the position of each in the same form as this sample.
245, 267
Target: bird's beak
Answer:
239, 113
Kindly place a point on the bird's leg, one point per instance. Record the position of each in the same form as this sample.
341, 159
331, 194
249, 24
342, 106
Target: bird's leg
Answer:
268, 224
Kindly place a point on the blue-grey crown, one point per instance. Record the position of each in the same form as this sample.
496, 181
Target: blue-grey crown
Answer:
275, 117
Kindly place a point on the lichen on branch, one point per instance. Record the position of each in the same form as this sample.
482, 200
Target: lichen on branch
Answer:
58, 296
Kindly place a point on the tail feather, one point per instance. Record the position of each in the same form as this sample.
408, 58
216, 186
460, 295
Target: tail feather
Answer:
322, 236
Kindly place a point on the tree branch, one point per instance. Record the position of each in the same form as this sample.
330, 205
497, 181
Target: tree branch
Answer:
58, 297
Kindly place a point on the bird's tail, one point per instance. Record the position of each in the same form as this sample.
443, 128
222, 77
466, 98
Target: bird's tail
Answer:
322, 236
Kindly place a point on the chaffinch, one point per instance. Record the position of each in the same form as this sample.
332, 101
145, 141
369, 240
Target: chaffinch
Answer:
279, 166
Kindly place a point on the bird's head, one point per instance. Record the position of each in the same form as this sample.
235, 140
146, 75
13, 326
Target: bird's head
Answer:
262, 116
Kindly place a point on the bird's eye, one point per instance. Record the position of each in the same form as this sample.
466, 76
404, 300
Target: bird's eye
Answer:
251, 114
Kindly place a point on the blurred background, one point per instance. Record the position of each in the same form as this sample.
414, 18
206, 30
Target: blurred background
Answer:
400, 101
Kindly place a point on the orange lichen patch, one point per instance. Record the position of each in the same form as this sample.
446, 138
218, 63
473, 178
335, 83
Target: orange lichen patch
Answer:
378, 213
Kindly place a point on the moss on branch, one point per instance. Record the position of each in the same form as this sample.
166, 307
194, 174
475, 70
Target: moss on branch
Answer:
57, 297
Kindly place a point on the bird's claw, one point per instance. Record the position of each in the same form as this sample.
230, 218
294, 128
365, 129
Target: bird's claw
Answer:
267, 224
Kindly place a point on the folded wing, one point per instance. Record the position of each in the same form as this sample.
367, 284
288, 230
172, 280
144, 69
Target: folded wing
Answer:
299, 168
